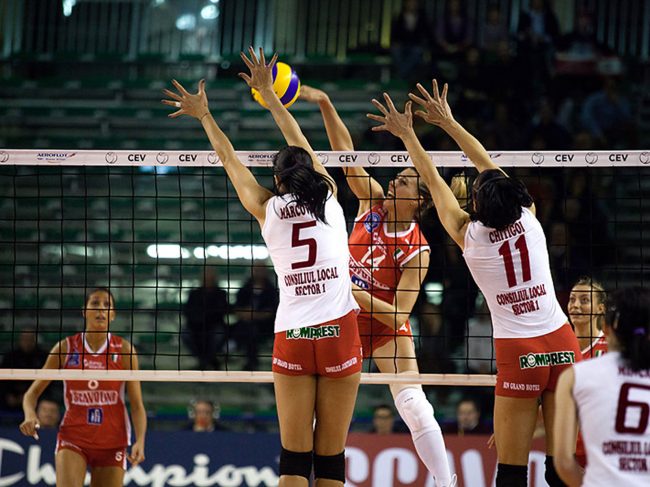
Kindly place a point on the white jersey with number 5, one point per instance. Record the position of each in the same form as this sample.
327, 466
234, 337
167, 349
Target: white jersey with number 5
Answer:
614, 405
311, 259
511, 268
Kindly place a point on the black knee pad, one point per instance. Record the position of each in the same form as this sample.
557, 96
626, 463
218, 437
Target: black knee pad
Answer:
330, 467
296, 463
551, 476
512, 475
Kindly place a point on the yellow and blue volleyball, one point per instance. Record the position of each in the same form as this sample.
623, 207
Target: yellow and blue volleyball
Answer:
286, 85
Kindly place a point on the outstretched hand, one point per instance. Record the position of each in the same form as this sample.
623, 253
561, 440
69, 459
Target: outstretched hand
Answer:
261, 73
391, 120
312, 95
436, 109
193, 105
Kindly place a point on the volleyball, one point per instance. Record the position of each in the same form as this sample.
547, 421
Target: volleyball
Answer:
286, 85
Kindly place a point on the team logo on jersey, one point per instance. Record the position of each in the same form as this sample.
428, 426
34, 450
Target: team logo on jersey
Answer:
372, 221
314, 333
359, 282
73, 360
398, 254
534, 360
95, 415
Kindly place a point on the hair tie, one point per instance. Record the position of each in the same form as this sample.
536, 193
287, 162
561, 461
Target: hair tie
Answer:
639, 331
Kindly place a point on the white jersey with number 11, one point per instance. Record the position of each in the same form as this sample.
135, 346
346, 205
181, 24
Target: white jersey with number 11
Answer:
511, 268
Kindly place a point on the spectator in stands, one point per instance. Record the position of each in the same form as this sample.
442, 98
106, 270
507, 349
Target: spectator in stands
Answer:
537, 35
383, 420
205, 331
409, 37
468, 420
48, 413
546, 130
205, 416
607, 115
255, 309
494, 32
454, 29
26, 355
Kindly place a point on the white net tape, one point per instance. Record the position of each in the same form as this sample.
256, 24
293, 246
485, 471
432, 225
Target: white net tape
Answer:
330, 159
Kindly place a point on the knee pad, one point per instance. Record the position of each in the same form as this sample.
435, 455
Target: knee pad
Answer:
330, 467
512, 475
295, 463
416, 411
550, 474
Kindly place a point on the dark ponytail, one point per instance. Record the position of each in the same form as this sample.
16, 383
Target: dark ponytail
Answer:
498, 199
296, 175
628, 315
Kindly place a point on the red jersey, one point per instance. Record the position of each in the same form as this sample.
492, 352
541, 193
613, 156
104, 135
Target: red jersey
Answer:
95, 415
596, 348
377, 256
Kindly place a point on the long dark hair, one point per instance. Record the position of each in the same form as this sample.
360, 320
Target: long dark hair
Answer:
498, 199
296, 175
424, 199
628, 314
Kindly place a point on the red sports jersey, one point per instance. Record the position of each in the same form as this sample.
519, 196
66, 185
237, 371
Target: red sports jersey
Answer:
597, 348
95, 415
377, 256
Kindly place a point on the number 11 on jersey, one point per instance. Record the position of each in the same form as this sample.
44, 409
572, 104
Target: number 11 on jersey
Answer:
506, 253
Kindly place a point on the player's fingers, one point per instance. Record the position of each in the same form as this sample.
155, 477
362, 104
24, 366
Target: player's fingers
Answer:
180, 88
421, 113
171, 94
245, 77
171, 103
247, 61
379, 106
376, 118
444, 92
407, 108
389, 102
262, 58
417, 99
251, 51
177, 113
274, 60
379, 128
201, 87
424, 92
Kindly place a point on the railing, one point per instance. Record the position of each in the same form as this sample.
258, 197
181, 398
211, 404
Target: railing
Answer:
218, 30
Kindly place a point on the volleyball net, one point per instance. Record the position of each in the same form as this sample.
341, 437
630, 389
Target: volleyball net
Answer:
153, 226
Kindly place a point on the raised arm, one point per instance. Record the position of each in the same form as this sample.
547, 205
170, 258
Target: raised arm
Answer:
565, 431
451, 215
261, 79
138, 412
29, 427
364, 187
436, 111
251, 194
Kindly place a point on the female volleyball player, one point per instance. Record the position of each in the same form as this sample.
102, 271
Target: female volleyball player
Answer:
505, 249
317, 351
586, 309
95, 430
389, 260
609, 397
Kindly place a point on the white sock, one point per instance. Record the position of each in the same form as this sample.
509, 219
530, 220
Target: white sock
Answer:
417, 413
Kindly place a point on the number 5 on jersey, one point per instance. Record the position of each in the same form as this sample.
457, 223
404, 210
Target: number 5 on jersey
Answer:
310, 243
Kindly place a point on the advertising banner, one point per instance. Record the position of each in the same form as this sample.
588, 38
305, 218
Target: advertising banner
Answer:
222, 459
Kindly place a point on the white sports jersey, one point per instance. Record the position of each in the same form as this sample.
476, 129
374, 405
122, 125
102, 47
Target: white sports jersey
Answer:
311, 259
512, 270
613, 403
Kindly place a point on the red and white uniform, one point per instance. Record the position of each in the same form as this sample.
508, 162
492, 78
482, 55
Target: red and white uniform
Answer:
377, 259
613, 402
511, 268
533, 341
596, 348
95, 417
315, 324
